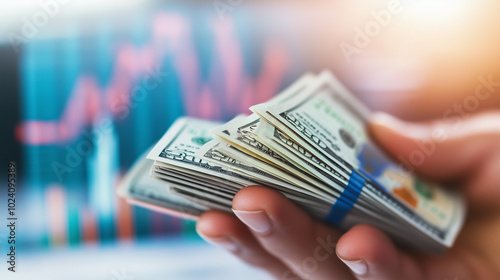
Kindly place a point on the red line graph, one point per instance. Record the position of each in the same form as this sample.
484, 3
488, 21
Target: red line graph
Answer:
171, 35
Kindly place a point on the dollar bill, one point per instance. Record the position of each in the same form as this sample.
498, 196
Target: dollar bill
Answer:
177, 147
328, 125
138, 188
310, 143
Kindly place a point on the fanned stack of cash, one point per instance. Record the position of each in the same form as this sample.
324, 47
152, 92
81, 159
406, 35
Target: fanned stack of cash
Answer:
310, 143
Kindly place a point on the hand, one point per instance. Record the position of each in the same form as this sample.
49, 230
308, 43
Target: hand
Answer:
272, 233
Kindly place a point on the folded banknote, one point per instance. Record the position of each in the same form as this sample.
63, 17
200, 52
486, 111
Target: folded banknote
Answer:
310, 143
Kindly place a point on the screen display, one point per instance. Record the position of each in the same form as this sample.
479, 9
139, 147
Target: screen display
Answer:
87, 99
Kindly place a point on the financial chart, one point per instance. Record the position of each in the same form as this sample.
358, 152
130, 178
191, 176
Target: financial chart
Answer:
91, 100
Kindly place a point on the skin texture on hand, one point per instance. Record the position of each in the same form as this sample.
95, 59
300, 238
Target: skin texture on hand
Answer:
270, 232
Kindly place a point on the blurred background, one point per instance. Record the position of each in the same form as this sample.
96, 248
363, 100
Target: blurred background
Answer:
76, 111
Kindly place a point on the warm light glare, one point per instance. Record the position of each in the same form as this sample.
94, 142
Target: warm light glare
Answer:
437, 12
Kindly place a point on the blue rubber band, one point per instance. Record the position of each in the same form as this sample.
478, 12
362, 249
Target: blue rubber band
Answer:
346, 201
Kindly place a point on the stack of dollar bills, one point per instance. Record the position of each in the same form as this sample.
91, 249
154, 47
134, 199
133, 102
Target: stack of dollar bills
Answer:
310, 143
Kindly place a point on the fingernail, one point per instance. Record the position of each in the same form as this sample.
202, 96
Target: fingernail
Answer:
258, 221
395, 124
223, 242
360, 267
388, 120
